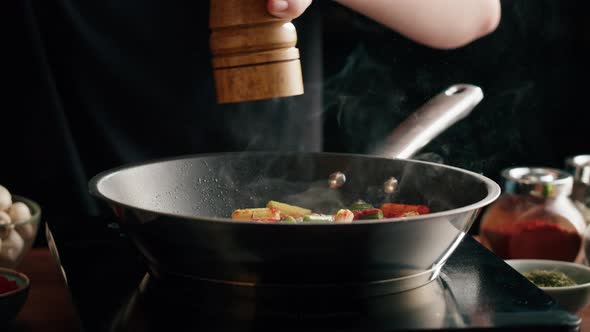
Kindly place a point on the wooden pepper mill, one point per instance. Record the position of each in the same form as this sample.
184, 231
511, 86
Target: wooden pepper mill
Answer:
254, 53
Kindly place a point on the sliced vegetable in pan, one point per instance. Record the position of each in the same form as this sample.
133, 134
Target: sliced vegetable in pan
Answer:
288, 210
358, 211
394, 210
367, 214
344, 216
257, 214
318, 218
360, 205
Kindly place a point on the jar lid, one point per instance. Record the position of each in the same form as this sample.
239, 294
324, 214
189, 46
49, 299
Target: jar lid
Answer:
579, 167
537, 181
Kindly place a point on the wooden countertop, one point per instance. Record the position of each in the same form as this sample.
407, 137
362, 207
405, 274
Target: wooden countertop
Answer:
49, 307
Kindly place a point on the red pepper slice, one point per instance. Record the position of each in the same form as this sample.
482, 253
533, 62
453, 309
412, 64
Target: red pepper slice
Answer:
394, 210
365, 214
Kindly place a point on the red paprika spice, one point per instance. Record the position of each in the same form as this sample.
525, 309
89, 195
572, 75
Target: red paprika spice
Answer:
534, 217
534, 239
7, 285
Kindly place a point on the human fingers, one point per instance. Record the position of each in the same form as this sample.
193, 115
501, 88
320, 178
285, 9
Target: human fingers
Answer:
287, 9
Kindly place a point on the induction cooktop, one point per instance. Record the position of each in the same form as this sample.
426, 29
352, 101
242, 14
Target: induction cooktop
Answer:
112, 291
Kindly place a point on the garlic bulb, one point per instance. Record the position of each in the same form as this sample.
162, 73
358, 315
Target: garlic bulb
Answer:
5, 218
5, 199
27, 231
18, 212
12, 248
5, 225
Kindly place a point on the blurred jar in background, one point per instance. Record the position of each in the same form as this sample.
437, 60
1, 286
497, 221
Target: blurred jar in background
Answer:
534, 217
579, 168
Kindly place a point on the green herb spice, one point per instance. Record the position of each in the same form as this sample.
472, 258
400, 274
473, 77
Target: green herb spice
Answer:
545, 278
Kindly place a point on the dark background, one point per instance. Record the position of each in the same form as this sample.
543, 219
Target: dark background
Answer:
532, 69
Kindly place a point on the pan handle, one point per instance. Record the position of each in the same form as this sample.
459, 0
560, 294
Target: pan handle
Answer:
434, 117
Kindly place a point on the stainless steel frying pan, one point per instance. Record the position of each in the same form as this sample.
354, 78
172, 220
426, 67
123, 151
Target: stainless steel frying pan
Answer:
176, 212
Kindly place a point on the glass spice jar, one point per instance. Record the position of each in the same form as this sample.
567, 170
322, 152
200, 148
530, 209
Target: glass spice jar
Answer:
579, 168
534, 217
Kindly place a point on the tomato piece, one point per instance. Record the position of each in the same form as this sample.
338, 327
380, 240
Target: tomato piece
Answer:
366, 214
395, 210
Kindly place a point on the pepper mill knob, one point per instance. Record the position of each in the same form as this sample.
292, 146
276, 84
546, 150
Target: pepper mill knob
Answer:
254, 53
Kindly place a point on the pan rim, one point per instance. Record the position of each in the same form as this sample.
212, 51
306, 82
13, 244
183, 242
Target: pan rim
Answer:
493, 190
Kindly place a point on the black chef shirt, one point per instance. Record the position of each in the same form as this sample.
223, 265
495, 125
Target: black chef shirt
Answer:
98, 84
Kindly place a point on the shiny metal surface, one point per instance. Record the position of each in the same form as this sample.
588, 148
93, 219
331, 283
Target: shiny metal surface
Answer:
176, 212
429, 307
336, 180
180, 222
441, 112
390, 185
537, 181
579, 167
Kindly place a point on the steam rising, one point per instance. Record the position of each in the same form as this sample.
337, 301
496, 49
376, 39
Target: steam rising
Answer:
366, 106
431, 157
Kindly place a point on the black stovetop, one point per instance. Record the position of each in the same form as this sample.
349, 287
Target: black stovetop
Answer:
112, 292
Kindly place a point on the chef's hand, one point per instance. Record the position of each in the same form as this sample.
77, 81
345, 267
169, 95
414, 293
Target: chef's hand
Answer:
287, 9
